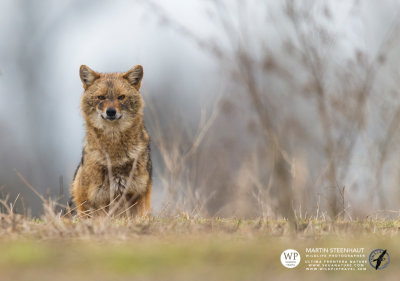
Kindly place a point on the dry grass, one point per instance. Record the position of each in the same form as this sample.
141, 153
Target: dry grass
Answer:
183, 246
53, 226
180, 247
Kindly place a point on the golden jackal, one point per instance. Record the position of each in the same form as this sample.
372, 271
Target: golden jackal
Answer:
114, 174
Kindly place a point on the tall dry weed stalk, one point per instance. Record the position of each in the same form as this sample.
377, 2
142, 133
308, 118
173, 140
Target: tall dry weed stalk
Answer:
301, 154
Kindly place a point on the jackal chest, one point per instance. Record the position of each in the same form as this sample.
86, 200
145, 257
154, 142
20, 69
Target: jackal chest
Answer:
122, 180
120, 157
117, 180
112, 187
118, 184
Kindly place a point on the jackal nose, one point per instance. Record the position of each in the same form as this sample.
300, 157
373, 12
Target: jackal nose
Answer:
111, 112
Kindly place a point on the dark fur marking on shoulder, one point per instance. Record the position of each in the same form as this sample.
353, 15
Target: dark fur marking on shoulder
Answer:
149, 166
76, 171
80, 164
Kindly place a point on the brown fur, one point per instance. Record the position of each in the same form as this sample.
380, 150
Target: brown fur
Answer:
114, 175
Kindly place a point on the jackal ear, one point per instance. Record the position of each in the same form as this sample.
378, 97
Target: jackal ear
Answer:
134, 76
88, 76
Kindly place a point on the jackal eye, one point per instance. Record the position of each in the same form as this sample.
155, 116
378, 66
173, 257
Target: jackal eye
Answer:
121, 97
101, 97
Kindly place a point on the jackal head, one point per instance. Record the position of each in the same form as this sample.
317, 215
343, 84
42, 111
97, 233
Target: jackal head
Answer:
111, 99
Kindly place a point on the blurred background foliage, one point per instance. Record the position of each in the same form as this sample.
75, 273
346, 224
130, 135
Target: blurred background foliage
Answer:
255, 108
